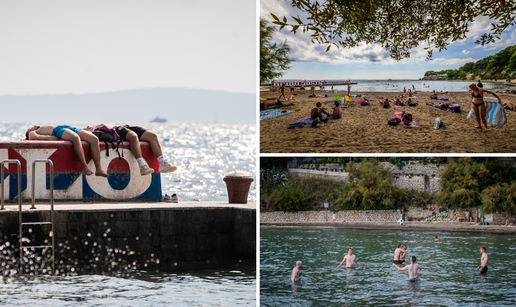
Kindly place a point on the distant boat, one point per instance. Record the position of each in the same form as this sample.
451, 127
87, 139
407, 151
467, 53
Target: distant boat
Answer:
159, 120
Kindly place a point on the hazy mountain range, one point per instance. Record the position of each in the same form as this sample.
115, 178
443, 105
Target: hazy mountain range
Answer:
137, 106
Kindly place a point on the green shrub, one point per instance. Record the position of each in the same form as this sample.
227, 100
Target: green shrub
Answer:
288, 199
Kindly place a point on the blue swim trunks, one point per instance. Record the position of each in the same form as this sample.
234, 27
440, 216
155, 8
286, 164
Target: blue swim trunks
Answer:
58, 130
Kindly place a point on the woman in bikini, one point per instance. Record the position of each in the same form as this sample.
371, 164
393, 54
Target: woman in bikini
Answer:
477, 95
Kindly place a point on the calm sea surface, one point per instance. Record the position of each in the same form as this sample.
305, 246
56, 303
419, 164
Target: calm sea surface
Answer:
448, 276
204, 154
425, 86
202, 288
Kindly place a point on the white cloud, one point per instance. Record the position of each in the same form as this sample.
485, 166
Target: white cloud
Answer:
455, 62
465, 51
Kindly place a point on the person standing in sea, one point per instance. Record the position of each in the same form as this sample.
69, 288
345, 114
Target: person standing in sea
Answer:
296, 272
350, 260
483, 261
479, 84
412, 268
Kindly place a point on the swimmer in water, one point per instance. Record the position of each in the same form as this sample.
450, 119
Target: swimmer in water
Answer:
483, 261
412, 268
436, 238
296, 272
397, 253
350, 260
403, 254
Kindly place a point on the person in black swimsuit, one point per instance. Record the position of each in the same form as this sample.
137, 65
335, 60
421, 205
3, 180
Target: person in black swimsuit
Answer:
478, 103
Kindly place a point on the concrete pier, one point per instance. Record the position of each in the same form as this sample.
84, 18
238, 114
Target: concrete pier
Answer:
146, 236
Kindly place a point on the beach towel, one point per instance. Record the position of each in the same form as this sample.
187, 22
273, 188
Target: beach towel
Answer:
316, 96
398, 115
306, 120
266, 114
495, 113
507, 108
443, 99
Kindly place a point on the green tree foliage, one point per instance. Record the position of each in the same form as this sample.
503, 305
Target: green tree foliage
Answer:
464, 181
398, 25
274, 58
288, 199
512, 61
499, 198
369, 187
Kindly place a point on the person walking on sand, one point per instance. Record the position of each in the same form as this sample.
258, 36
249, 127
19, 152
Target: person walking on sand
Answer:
312, 89
483, 261
477, 95
349, 88
397, 253
412, 268
282, 89
350, 260
296, 272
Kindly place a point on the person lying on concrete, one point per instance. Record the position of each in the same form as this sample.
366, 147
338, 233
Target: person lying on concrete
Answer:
135, 134
75, 135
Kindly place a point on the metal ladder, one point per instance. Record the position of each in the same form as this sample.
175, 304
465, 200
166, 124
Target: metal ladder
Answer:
51, 223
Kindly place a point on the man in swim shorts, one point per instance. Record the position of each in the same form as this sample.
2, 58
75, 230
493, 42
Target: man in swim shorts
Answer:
483, 261
296, 272
135, 134
350, 260
403, 254
412, 268
397, 253
75, 135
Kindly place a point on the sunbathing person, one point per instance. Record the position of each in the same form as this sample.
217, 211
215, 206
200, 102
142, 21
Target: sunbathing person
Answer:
135, 134
75, 135
509, 105
410, 103
337, 111
407, 119
278, 102
442, 106
409, 93
385, 103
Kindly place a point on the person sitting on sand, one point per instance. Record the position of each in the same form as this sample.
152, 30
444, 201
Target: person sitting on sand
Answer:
365, 102
135, 134
409, 93
337, 111
407, 119
385, 103
477, 95
317, 112
434, 95
397, 102
509, 105
75, 135
412, 268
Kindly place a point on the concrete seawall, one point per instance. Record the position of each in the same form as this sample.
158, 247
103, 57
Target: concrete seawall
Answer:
145, 236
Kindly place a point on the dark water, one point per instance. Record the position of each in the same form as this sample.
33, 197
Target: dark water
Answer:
200, 288
448, 276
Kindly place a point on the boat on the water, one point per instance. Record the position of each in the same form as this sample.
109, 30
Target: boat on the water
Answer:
159, 120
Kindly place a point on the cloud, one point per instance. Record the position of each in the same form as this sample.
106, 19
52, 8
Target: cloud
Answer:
455, 62
465, 51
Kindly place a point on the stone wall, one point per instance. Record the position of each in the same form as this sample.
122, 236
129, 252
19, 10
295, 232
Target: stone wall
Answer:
414, 175
147, 239
413, 214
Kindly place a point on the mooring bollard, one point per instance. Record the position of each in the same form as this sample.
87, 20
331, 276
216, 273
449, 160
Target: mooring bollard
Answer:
238, 187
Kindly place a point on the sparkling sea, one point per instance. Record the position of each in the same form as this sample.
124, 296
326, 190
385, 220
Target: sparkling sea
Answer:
203, 152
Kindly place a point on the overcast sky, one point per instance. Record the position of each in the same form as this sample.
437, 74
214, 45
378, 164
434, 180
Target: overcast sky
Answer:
94, 46
373, 61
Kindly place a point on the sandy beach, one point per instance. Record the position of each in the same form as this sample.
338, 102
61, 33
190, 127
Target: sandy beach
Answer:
365, 129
